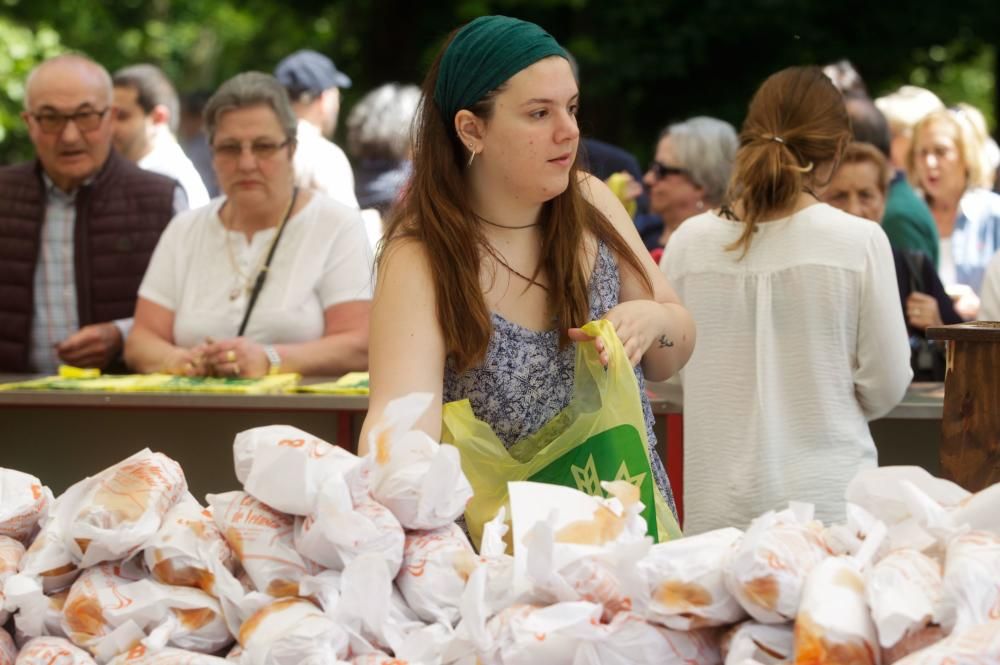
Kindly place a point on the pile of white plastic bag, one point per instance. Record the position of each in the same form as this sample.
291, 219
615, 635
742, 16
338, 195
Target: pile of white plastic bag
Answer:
328, 558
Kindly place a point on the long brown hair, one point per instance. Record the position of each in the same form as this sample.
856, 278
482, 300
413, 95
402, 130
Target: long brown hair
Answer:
796, 122
435, 211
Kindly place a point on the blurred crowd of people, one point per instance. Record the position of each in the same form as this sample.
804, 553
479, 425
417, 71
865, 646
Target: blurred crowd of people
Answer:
924, 171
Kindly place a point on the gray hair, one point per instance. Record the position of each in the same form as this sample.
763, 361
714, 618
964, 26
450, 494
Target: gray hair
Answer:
705, 147
378, 126
71, 57
250, 89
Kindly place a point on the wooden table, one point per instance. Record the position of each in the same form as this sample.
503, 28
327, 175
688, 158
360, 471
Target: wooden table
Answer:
62, 436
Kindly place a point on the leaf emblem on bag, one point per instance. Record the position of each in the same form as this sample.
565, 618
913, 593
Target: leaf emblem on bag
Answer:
586, 479
623, 474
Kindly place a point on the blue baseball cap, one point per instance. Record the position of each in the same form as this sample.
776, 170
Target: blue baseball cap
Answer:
309, 71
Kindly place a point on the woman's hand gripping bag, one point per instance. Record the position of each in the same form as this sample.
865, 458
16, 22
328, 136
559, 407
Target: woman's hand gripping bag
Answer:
599, 436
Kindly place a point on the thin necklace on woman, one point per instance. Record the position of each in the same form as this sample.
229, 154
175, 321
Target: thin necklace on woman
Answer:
248, 280
504, 226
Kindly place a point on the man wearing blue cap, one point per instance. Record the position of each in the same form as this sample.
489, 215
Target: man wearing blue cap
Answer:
313, 83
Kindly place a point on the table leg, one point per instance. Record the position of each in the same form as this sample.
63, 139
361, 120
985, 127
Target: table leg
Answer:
345, 434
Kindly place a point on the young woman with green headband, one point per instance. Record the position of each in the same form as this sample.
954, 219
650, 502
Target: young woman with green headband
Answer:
501, 248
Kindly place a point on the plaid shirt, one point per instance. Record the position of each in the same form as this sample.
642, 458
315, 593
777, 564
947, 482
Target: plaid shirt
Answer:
56, 317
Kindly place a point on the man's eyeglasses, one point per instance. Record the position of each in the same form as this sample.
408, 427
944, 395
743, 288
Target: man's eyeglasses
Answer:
261, 149
661, 170
51, 122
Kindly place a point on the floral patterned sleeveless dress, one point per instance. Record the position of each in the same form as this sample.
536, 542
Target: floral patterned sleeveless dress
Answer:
526, 379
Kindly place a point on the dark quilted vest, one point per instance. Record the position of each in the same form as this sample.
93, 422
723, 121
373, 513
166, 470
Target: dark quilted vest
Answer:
119, 218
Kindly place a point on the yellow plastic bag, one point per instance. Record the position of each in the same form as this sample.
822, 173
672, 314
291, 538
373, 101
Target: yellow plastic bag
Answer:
600, 435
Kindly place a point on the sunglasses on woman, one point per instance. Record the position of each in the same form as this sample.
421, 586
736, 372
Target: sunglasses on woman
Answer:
661, 170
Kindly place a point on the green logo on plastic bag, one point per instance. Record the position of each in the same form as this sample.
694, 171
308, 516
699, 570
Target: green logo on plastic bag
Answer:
615, 454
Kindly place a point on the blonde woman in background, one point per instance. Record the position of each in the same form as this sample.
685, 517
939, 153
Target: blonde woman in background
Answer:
946, 163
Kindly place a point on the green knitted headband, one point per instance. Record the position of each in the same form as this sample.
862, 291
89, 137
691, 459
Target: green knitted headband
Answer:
485, 53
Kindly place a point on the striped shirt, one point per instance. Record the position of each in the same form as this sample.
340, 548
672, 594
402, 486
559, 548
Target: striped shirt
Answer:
55, 308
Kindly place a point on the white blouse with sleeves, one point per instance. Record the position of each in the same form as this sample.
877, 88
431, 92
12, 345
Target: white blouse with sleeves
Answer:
323, 258
800, 344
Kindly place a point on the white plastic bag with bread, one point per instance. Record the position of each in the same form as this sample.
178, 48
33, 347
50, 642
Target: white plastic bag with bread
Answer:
582, 526
436, 567
140, 655
188, 547
686, 584
261, 538
764, 643
24, 502
976, 645
112, 515
291, 631
285, 467
833, 625
113, 608
608, 574
972, 578
344, 525
769, 566
8, 650
11, 553
905, 592
410, 473
52, 651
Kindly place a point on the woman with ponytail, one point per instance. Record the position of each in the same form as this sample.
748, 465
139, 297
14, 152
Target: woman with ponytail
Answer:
802, 335
501, 248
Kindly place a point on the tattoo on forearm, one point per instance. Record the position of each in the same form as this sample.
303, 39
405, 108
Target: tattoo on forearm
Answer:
664, 342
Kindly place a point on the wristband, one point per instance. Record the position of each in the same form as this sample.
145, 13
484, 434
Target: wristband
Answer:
273, 359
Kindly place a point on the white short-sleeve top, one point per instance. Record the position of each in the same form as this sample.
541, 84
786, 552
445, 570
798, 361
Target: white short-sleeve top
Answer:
323, 258
800, 343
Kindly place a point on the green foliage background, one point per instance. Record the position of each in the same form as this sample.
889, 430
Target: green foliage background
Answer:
643, 64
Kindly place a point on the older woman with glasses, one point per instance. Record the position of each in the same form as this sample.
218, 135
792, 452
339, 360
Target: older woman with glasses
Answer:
689, 173
266, 278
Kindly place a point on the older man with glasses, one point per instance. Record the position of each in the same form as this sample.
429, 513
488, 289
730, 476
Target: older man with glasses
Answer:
77, 226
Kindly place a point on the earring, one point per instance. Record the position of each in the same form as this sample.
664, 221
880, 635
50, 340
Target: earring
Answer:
471, 156
699, 205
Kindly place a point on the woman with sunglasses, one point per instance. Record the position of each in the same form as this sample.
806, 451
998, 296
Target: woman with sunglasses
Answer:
801, 333
264, 279
501, 248
688, 175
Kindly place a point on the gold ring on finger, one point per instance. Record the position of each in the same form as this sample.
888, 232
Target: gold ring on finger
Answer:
231, 356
